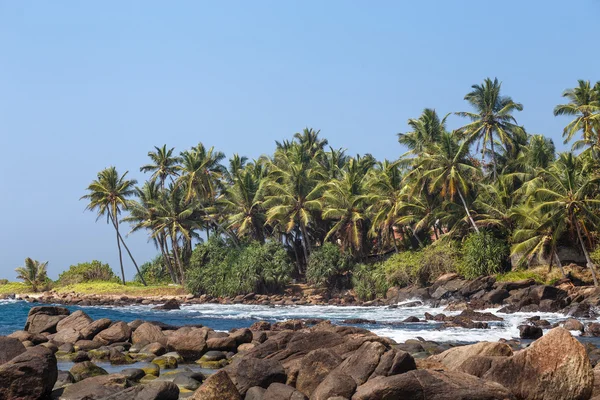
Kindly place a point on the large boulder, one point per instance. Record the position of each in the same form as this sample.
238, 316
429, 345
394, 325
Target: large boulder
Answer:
29, 376
10, 348
455, 357
45, 318
171, 304
279, 391
242, 336
314, 368
148, 333
190, 343
336, 384
361, 364
249, 372
553, 367
92, 329
76, 321
162, 390
394, 362
117, 332
95, 388
431, 385
66, 335
530, 332
217, 387
86, 369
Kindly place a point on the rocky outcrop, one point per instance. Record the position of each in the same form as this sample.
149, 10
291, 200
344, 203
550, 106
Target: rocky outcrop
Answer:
336, 384
149, 391
45, 318
314, 368
554, 367
76, 321
190, 343
95, 388
148, 333
29, 376
454, 358
117, 332
249, 372
92, 329
217, 387
10, 348
86, 369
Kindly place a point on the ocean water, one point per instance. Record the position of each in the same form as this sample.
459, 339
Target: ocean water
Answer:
388, 321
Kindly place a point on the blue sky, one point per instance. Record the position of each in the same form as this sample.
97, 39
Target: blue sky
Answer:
86, 85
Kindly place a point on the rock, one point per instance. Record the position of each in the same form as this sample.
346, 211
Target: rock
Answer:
553, 367
242, 336
249, 372
431, 385
76, 321
482, 283
95, 388
151, 369
86, 369
361, 364
170, 304
186, 382
133, 374
150, 391
412, 319
153, 348
165, 362
455, 357
314, 368
45, 318
530, 332
279, 391
189, 343
29, 376
23, 336
260, 326
593, 329
10, 348
92, 329
255, 393
63, 379
480, 316
217, 387
495, 296
335, 384
221, 343
394, 362
67, 335
148, 333
572, 324
87, 345
117, 332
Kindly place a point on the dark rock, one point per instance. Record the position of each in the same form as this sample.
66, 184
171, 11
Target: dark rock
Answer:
95, 388
593, 329
86, 369
495, 296
217, 387
10, 348
117, 332
412, 319
45, 318
87, 345
357, 321
170, 304
29, 376
336, 384
190, 343
76, 321
153, 348
572, 324
484, 283
530, 332
314, 367
221, 343
480, 316
242, 336
249, 372
255, 393
361, 364
394, 362
260, 326
92, 329
149, 391
133, 374
280, 391
148, 333
63, 379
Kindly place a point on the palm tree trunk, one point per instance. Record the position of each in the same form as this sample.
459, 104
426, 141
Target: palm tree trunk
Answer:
494, 157
177, 258
305, 244
119, 237
590, 264
562, 271
116, 225
467, 210
162, 243
394, 239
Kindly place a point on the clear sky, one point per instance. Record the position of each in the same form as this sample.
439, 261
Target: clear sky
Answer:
85, 85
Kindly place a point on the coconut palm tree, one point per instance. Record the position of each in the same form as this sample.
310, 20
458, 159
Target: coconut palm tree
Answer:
385, 186
492, 120
107, 195
446, 170
426, 130
568, 192
584, 105
163, 165
33, 273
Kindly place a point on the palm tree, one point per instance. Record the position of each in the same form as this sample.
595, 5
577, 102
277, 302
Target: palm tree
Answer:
107, 195
567, 191
584, 105
492, 119
163, 166
426, 130
33, 273
447, 170
385, 186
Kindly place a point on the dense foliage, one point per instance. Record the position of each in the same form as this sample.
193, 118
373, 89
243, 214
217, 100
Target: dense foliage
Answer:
487, 182
154, 272
33, 273
87, 272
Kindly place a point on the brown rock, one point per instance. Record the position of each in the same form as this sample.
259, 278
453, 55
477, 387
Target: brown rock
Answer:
149, 391
28, 376
279, 391
148, 333
188, 342
221, 343
88, 332
217, 387
95, 388
10, 348
44, 319
394, 362
314, 368
67, 335
361, 364
76, 321
249, 372
455, 357
336, 384
117, 332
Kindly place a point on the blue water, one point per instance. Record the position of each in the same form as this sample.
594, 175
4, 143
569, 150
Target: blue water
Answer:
13, 315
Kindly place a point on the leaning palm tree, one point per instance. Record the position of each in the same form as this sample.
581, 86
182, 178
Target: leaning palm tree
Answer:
33, 273
446, 169
107, 195
163, 165
584, 105
567, 191
492, 120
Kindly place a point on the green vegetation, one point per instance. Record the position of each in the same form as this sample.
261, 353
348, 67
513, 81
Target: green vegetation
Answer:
116, 288
155, 272
33, 273
459, 200
87, 272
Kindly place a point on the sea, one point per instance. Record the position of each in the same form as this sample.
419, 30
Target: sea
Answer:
386, 321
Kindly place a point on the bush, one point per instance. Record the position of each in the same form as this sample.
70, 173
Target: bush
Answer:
483, 254
86, 272
3, 282
438, 259
218, 269
401, 268
155, 272
370, 281
328, 267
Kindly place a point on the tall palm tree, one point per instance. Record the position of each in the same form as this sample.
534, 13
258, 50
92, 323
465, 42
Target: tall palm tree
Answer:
567, 191
584, 105
492, 119
107, 195
33, 273
426, 130
163, 165
447, 170
385, 187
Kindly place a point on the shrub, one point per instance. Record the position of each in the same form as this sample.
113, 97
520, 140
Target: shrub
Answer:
86, 272
438, 259
218, 269
3, 282
370, 281
483, 254
155, 272
329, 267
401, 268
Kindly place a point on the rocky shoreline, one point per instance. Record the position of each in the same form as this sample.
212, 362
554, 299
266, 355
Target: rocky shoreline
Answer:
291, 360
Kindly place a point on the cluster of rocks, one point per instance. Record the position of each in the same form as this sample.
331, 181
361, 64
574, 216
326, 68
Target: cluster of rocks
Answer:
291, 360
